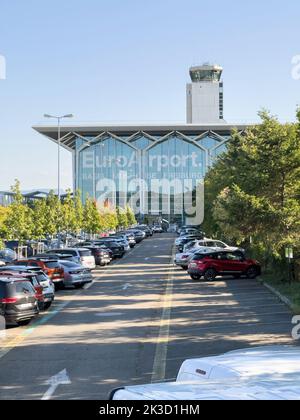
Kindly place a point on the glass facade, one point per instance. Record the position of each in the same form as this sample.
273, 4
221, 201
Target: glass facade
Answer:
157, 175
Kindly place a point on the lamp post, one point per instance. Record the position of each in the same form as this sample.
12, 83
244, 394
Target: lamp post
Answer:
59, 119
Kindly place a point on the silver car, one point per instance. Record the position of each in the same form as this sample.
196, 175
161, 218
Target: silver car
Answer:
76, 275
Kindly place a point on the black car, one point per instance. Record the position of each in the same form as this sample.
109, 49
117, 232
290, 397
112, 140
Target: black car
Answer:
146, 229
102, 256
18, 300
117, 249
139, 235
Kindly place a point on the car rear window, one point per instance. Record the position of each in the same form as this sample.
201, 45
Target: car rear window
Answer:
67, 252
69, 264
85, 253
51, 264
24, 287
42, 277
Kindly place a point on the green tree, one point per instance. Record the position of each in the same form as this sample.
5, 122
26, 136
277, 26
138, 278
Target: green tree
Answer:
69, 214
253, 190
79, 212
39, 219
130, 216
92, 223
53, 214
122, 218
18, 223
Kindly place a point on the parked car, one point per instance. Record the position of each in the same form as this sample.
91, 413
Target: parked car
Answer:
121, 240
220, 263
7, 255
181, 242
183, 259
246, 363
117, 249
46, 283
49, 266
81, 256
33, 280
212, 243
18, 300
75, 275
266, 374
129, 237
139, 235
146, 229
102, 256
102, 247
158, 229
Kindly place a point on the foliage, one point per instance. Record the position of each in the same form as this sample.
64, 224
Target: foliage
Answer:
253, 190
122, 218
92, 223
131, 220
18, 222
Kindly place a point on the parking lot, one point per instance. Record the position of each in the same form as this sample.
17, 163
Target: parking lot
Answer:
139, 320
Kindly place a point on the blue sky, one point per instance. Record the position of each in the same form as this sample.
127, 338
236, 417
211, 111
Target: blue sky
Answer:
128, 60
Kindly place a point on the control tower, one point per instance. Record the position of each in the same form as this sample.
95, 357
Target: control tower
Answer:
205, 95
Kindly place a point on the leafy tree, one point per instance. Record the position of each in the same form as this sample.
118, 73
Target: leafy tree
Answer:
68, 214
130, 217
39, 219
79, 212
122, 218
53, 214
92, 223
3, 215
18, 223
109, 219
254, 188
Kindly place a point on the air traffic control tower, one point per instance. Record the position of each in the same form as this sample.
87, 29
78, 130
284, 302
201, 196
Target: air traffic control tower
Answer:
205, 95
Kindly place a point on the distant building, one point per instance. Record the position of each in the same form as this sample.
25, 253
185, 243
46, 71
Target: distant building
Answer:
159, 167
205, 95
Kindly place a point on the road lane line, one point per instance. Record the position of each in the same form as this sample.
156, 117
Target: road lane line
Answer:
160, 360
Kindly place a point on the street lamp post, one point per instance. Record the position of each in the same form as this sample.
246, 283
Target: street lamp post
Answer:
59, 119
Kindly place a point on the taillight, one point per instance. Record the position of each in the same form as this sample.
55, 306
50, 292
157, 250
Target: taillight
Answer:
9, 300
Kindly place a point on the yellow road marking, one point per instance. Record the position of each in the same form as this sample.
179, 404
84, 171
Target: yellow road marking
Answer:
160, 360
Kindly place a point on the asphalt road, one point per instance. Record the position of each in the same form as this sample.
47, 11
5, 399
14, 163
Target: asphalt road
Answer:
137, 322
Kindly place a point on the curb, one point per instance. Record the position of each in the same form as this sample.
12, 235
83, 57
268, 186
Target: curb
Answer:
281, 297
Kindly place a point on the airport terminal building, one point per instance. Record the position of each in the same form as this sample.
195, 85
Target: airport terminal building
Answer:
157, 169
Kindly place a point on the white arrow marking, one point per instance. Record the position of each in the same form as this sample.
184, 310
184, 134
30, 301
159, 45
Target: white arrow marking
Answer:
62, 378
127, 285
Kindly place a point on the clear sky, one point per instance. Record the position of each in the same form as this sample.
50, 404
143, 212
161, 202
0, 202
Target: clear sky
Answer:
128, 60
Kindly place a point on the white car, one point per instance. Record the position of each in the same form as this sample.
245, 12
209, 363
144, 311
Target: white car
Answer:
214, 244
266, 373
81, 256
244, 363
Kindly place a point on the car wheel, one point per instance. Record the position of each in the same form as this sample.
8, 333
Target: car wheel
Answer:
47, 306
210, 275
195, 277
252, 273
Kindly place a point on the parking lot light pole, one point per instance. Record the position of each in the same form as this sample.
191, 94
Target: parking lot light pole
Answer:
59, 119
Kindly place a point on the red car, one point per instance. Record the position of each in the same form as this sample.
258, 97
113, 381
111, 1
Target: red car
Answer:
33, 280
50, 267
222, 263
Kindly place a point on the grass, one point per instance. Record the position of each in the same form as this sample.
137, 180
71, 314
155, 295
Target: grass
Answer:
289, 290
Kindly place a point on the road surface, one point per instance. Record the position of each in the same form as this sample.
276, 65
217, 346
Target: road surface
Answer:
137, 322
